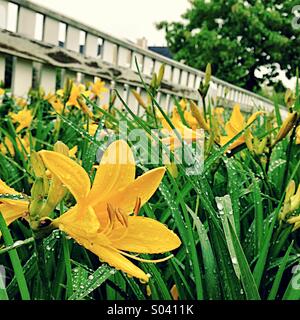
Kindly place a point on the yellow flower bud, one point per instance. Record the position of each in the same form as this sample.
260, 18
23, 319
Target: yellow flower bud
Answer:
291, 204
39, 168
61, 148
289, 98
249, 140
173, 170
139, 99
207, 74
37, 202
196, 114
286, 127
161, 73
295, 200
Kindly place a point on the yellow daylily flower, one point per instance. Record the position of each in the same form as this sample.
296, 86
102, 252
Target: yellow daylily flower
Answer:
218, 113
291, 202
183, 104
21, 102
98, 88
74, 95
190, 119
23, 117
7, 146
92, 128
187, 134
76, 100
159, 115
101, 220
11, 209
60, 93
2, 92
235, 125
73, 151
22, 143
56, 103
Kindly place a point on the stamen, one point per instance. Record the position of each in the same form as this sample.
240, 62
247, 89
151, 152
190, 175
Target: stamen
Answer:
144, 260
111, 217
137, 207
111, 213
122, 218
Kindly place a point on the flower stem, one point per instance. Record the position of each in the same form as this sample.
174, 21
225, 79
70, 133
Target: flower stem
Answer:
288, 158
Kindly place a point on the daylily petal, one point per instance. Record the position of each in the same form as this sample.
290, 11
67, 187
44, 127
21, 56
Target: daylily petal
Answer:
71, 174
116, 171
146, 235
13, 210
236, 123
254, 116
143, 187
118, 261
5, 189
86, 227
236, 143
99, 244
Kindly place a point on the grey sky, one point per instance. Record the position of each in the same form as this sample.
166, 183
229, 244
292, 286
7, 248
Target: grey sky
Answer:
129, 19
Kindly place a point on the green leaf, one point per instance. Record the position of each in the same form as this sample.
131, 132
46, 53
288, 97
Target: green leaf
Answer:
247, 279
209, 261
279, 274
86, 283
14, 258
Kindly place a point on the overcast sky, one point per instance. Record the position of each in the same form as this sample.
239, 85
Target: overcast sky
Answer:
129, 19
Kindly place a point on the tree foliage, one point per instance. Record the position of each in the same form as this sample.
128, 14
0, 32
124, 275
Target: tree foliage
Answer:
238, 38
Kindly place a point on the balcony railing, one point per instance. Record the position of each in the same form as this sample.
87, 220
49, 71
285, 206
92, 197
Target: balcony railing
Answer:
86, 53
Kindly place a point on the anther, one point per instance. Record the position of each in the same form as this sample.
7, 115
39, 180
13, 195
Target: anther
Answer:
137, 207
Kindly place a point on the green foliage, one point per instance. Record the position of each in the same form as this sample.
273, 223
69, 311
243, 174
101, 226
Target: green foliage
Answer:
233, 245
237, 38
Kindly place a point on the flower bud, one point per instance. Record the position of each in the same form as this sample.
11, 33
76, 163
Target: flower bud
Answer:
197, 115
61, 148
139, 99
286, 127
160, 75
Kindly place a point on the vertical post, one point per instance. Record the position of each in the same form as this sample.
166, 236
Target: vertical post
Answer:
48, 73
72, 39
22, 68
22, 77
51, 30
2, 68
110, 52
3, 25
3, 14
91, 48
26, 22
168, 73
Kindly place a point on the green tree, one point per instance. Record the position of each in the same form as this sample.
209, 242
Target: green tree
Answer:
238, 38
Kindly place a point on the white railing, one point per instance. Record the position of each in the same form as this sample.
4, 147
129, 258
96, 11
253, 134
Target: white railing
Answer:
89, 53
